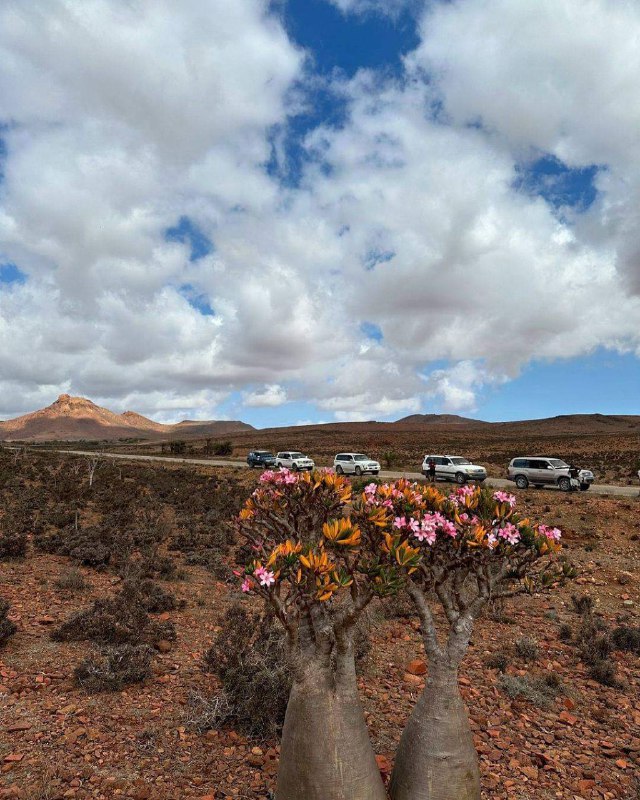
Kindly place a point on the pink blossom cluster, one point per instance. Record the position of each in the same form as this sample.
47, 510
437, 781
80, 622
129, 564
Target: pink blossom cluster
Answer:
460, 493
279, 477
550, 533
510, 533
265, 576
505, 497
425, 529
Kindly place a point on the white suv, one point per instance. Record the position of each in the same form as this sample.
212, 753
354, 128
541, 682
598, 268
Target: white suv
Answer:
454, 468
292, 459
355, 464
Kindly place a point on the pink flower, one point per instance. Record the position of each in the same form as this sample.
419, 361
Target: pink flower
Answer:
427, 532
505, 497
370, 489
265, 576
413, 525
510, 533
400, 522
492, 541
445, 525
246, 584
550, 533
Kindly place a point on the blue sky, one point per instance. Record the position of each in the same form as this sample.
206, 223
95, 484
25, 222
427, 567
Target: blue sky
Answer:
339, 210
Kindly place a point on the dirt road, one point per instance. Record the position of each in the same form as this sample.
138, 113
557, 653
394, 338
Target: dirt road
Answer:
497, 483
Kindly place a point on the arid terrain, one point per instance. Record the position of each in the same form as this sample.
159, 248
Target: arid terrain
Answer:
77, 419
612, 451
557, 732
609, 445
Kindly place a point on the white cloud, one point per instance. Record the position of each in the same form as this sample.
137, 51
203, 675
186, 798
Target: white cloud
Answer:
387, 7
126, 117
271, 396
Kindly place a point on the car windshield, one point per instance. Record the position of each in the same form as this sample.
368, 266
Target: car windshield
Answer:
360, 457
457, 460
264, 453
297, 455
558, 463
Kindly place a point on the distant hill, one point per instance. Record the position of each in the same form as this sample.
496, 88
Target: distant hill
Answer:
438, 419
76, 418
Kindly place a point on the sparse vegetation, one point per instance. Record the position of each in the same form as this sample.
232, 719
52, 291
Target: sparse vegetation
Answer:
71, 580
541, 691
114, 668
7, 627
527, 648
249, 657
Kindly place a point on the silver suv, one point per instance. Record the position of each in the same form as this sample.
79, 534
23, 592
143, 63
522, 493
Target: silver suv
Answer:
544, 471
454, 468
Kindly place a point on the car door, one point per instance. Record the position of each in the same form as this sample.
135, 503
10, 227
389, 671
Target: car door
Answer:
348, 465
538, 469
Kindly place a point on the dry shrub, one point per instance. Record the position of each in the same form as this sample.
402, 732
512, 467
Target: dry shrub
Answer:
398, 606
13, 544
499, 661
527, 648
71, 580
627, 639
248, 655
7, 628
582, 604
151, 596
115, 668
540, 691
118, 620
207, 713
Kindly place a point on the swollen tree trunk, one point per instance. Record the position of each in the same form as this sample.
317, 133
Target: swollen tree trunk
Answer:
326, 753
436, 757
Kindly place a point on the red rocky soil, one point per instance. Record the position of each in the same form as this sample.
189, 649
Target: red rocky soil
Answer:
56, 741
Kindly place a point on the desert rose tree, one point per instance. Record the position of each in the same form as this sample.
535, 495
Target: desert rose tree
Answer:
472, 547
318, 570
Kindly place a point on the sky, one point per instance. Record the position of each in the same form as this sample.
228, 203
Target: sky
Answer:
297, 211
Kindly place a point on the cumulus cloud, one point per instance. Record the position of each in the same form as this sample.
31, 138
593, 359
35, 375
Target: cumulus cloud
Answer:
120, 120
273, 395
390, 8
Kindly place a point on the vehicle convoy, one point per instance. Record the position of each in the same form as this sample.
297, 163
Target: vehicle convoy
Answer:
546, 471
293, 460
355, 464
454, 468
261, 458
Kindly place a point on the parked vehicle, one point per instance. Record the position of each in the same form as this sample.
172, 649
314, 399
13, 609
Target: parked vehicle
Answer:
293, 460
355, 464
546, 471
454, 468
261, 458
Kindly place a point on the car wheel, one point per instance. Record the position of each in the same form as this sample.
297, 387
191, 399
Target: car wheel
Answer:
461, 478
294, 467
584, 487
375, 472
521, 482
358, 471
339, 470
564, 484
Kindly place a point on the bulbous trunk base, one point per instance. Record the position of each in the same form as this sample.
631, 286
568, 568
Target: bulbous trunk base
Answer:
436, 758
326, 753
